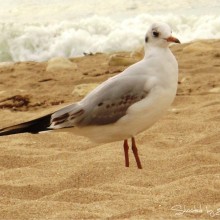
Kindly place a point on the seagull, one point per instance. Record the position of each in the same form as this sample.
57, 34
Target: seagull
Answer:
125, 104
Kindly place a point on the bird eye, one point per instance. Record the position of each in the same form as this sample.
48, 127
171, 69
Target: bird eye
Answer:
156, 34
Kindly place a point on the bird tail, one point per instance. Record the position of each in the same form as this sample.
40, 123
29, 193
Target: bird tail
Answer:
33, 126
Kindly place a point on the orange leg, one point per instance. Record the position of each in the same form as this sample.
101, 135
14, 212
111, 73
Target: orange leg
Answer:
126, 147
135, 152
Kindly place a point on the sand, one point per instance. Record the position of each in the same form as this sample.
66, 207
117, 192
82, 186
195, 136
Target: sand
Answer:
63, 176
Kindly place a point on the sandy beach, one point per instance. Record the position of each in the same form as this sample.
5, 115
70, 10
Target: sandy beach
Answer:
64, 176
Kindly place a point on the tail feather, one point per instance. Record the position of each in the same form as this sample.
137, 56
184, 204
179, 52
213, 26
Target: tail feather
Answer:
33, 126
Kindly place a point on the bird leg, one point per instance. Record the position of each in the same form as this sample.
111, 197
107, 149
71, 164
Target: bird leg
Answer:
126, 147
135, 152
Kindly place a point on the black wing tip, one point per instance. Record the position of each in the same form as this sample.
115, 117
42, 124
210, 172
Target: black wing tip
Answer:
6, 132
35, 126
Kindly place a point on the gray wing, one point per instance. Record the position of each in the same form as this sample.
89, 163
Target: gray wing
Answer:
104, 105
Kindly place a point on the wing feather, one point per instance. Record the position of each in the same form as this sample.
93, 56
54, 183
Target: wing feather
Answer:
104, 105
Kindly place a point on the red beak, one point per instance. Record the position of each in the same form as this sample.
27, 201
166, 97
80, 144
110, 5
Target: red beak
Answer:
172, 39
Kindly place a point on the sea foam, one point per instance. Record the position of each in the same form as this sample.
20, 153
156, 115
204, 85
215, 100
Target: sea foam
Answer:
23, 41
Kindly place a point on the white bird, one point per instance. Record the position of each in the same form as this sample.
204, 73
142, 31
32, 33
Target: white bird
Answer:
125, 104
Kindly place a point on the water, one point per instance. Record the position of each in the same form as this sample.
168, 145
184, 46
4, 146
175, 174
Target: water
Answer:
40, 29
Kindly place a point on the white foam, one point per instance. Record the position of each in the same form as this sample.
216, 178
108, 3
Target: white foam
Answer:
70, 28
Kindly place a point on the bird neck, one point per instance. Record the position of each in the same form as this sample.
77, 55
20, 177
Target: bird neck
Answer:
151, 50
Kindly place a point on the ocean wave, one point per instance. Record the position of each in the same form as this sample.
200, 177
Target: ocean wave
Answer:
40, 42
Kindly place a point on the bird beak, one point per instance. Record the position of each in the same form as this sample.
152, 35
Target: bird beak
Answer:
172, 39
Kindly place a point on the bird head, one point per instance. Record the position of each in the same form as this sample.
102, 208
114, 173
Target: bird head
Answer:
160, 34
